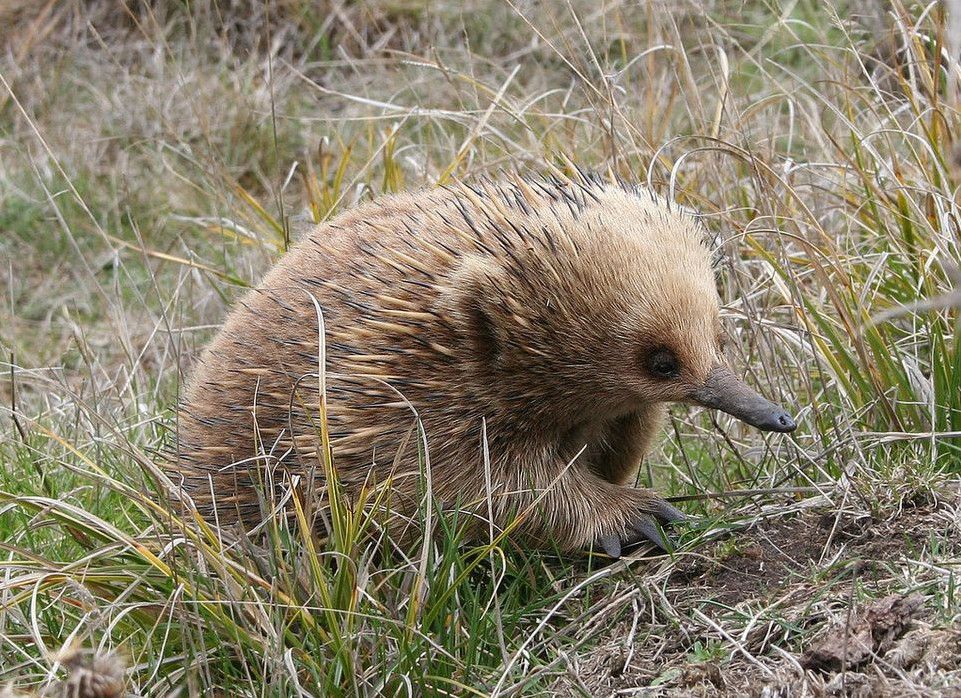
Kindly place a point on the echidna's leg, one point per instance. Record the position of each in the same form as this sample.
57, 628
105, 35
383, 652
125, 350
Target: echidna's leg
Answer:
614, 454
576, 508
625, 442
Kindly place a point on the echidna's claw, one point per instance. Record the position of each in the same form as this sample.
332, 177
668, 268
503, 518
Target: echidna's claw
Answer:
667, 512
644, 528
611, 544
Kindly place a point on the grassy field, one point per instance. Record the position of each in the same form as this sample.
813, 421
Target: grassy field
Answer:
155, 158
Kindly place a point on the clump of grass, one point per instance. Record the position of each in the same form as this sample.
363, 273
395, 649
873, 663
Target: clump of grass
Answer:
279, 612
154, 161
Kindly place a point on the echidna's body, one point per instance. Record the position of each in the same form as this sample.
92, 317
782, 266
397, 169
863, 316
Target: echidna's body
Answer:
548, 314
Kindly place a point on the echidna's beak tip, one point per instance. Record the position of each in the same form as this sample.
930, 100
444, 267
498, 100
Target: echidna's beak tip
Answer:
785, 423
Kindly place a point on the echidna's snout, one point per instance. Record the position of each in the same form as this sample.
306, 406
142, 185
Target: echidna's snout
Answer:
724, 391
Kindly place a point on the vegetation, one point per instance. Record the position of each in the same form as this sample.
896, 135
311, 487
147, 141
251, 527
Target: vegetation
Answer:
155, 158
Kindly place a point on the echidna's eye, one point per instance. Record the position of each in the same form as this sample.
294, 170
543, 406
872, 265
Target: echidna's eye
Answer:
663, 364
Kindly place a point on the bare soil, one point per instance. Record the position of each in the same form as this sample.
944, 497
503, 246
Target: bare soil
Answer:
818, 604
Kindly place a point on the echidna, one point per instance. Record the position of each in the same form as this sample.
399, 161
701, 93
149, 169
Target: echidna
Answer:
550, 319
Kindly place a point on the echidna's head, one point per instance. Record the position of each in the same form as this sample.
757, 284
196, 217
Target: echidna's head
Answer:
601, 308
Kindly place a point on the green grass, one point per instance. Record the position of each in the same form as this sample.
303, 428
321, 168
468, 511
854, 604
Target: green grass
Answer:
154, 162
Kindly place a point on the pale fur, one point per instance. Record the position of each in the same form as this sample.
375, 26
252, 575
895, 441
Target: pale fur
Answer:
528, 305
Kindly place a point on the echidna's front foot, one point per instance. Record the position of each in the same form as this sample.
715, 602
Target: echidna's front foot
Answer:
643, 528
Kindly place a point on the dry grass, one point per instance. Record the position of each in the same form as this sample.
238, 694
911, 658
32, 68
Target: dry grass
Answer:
153, 161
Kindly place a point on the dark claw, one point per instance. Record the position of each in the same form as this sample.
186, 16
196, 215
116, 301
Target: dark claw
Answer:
647, 528
643, 528
667, 513
611, 544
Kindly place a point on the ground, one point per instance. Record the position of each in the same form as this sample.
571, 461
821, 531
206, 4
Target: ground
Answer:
156, 158
832, 580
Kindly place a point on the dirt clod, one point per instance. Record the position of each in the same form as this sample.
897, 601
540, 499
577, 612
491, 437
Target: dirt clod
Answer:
871, 631
704, 673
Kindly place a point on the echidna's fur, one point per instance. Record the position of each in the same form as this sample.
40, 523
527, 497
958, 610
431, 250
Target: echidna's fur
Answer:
528, 306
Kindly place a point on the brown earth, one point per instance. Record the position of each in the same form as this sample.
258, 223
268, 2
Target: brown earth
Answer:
817, 604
